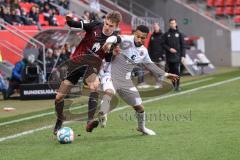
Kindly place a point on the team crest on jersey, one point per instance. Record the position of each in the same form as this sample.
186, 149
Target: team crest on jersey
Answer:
141, 53
169, 35
176, 35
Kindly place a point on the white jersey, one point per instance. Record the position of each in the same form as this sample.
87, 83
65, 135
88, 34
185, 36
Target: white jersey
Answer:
135, 54
122, 65
132, 55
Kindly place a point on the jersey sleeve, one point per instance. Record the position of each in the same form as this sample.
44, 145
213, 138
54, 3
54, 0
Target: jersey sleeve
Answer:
82, 25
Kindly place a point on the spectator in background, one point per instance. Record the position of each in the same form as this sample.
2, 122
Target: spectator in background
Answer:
49, 62
25, 18
156, 51
64, 4
66, 52
46, 8
15, 4
94, 17
3, 86
50, 17
16, 17
86, 16
6, 16
57, 56
175, 50
34, 16
17, 77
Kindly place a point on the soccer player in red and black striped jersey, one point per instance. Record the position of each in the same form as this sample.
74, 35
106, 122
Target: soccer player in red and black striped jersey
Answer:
86, 60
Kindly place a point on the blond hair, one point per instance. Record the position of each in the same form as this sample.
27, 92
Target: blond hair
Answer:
114, 17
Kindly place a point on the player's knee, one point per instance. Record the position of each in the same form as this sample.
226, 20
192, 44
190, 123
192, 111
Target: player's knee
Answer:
59, 97
93, 87
109, 92
63, 90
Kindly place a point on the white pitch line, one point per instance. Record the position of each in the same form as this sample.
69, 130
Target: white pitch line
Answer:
50, 113
195, 82
24, 133
35, 116
126, 106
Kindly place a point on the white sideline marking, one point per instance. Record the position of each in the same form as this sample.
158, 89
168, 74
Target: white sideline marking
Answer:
50, 113
195, 82
24, 133
126, 106
35, 116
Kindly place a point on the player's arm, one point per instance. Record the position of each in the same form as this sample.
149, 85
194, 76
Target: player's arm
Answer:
156, 70
79, 24
111, 43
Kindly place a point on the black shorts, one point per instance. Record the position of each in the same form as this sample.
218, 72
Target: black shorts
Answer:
87, 66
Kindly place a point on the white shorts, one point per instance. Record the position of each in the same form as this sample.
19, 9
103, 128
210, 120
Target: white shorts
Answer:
106, 83
126, 90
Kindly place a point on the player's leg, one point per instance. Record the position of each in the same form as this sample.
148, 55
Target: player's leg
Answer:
109, 91
141, 119
92, 80
63, 90
92, 107
131, 96
105, 107
74, 73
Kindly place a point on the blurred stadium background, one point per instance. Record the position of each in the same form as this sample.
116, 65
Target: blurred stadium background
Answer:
210, 81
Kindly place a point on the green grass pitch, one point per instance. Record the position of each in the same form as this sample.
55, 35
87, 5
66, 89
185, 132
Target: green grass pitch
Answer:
199, 125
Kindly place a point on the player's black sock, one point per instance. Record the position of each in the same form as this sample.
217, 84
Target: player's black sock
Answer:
59, 110
92, 105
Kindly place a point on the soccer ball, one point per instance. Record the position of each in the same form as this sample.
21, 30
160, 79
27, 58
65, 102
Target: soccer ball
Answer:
65, 135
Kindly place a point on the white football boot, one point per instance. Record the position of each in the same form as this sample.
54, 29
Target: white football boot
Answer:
146, 131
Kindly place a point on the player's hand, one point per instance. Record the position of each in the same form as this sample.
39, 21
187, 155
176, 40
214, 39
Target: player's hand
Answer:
69, 16
173, 77
116, 50
172, 50
106, 47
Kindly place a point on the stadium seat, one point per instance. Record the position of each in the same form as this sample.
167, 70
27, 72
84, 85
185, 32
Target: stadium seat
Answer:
237, 2
210, 3
61, 20
219, 11
236, 20
26, 6
229, 3
219, 3
237, 10
229, 11
42, 20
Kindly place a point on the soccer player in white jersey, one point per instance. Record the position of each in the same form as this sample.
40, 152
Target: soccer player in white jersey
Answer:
116, 76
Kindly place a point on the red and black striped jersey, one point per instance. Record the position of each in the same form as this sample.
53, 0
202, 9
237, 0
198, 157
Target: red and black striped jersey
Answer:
92, 42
